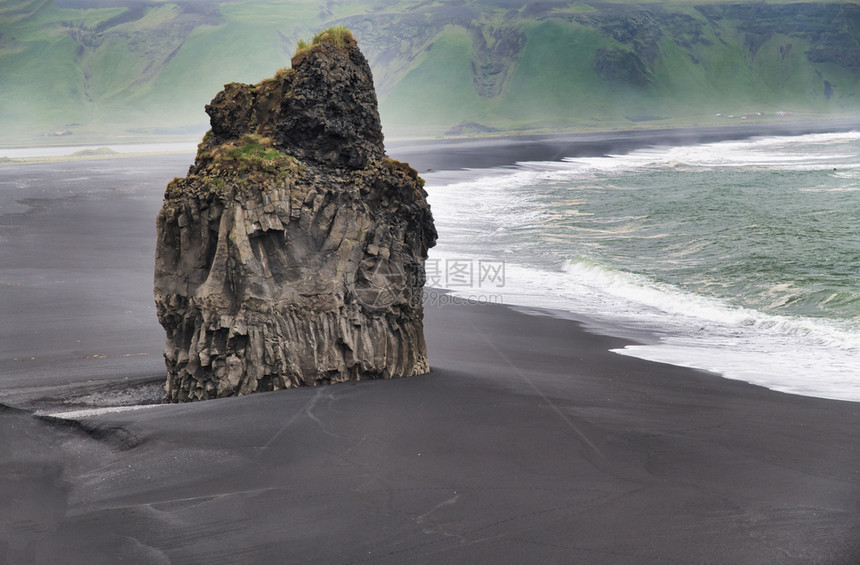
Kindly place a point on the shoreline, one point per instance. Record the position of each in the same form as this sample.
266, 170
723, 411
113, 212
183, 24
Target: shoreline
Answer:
528, 441
692, 328
492, 152
142, 370
484, 152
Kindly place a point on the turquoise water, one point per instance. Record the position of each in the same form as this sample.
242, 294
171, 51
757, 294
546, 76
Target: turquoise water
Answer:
743, 256
783, 238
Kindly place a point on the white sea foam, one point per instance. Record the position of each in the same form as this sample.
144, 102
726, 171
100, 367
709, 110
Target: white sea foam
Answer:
771, 152
90, 412
797, 355
801, 355
127, 148
823, 373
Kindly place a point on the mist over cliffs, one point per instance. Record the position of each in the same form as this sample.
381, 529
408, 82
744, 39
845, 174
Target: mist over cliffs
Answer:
128, 67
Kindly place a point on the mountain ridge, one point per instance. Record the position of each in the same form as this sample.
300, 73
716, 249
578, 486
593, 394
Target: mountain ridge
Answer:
114, 68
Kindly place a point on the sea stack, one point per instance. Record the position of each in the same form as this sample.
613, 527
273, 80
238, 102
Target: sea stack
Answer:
293, 252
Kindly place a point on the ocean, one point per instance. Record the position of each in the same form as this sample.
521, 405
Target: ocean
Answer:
738, 257
124, 148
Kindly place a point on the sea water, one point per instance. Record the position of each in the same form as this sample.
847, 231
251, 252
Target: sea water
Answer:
70, 150
740, 257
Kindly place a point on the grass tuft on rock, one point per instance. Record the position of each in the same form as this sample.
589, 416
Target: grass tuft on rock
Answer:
337, 36
254, 149
235, 166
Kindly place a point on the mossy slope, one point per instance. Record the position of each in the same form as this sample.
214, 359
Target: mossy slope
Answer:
149, 68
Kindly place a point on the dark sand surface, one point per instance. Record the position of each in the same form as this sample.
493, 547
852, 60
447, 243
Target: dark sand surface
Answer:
529, 442
482, 153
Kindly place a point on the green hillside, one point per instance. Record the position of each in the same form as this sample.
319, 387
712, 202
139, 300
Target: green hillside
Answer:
124, 69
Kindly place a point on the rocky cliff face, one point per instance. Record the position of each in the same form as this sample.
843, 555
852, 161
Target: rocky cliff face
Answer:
293, 252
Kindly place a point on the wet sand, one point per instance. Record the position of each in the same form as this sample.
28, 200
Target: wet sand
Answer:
528, 442
481, 153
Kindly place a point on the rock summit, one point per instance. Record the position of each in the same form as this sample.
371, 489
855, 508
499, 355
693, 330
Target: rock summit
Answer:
293, 252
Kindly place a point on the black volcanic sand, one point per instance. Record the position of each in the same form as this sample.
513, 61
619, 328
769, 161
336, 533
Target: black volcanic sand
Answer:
529, 442
464, 153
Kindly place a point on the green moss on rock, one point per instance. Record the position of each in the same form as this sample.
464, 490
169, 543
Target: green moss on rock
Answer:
337, 36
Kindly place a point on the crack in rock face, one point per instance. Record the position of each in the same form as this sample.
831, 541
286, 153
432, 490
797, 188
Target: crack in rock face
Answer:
293, 252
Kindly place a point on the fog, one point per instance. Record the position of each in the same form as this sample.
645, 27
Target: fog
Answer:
461, 67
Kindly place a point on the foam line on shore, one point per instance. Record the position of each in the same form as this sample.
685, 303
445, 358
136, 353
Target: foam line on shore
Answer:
91, 412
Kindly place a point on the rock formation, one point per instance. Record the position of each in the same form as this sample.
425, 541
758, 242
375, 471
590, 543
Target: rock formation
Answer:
293, 252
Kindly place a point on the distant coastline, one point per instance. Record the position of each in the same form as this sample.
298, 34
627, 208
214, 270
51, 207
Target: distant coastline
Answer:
41, 154
472, 152
501, 149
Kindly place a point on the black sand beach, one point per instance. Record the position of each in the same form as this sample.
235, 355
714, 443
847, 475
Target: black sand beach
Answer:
482, 153
528, 442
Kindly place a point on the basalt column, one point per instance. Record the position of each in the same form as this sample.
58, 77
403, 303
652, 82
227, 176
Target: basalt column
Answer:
293, 252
